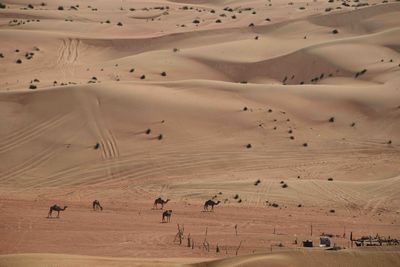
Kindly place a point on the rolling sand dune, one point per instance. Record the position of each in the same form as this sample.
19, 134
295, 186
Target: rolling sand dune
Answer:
132, 100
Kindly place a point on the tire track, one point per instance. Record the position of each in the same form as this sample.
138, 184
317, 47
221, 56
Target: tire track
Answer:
30, 133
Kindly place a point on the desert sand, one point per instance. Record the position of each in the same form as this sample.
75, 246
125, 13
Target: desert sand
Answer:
287, 112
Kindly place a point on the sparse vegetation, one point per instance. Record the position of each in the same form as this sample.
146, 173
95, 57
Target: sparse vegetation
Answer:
160, 137
330, 179
119, 24
248, 146
2, 5
32, 86
60, 8
143, 77
163, 74
332, 119
332, 211
257, 182
148, 131
335, 31
305, 144
18, 61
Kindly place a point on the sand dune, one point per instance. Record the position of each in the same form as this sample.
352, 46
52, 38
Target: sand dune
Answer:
191, 100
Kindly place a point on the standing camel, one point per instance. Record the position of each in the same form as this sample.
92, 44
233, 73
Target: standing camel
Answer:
161, 202
210, 203
96, 205
57, 208
166, 214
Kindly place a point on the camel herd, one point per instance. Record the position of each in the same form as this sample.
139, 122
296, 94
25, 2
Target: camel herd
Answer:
166, 215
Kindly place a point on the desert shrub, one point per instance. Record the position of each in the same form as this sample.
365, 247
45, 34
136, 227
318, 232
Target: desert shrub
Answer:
389, 142
163, 74
1, 55
108, 21
19, 61
335, 31
332, 211
143, 77
299, 206
196, 21
131, 70
251, 25
2, 5
160, 137
291, 137
274, 205
119, 23
233, 17
332, 119
353, 124
97, 146
257, 182
236, 196
30, 6
148, 131
245, 109
284, 185
32, 86
60, 8
175, 50
218, 21
328, 9
330, 179
305, 144
248, 146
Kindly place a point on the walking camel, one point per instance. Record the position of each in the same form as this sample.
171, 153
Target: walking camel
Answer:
57, 208
96, 205
161, 202
166, 215
210, 203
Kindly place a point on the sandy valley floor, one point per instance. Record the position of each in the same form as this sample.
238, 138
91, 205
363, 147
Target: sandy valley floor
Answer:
192, 100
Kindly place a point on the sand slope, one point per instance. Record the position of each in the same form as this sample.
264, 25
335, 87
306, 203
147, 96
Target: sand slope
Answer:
232, 92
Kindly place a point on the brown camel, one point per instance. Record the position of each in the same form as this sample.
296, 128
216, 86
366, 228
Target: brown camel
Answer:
96, 205
210, 203
55, 208
160, 201
166, 214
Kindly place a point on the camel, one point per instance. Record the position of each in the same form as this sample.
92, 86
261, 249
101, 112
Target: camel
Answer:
160, 201
166, 214
57, 208
210, 203
96, 205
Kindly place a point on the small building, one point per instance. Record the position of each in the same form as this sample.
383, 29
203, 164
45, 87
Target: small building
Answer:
307, 243
324, 241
